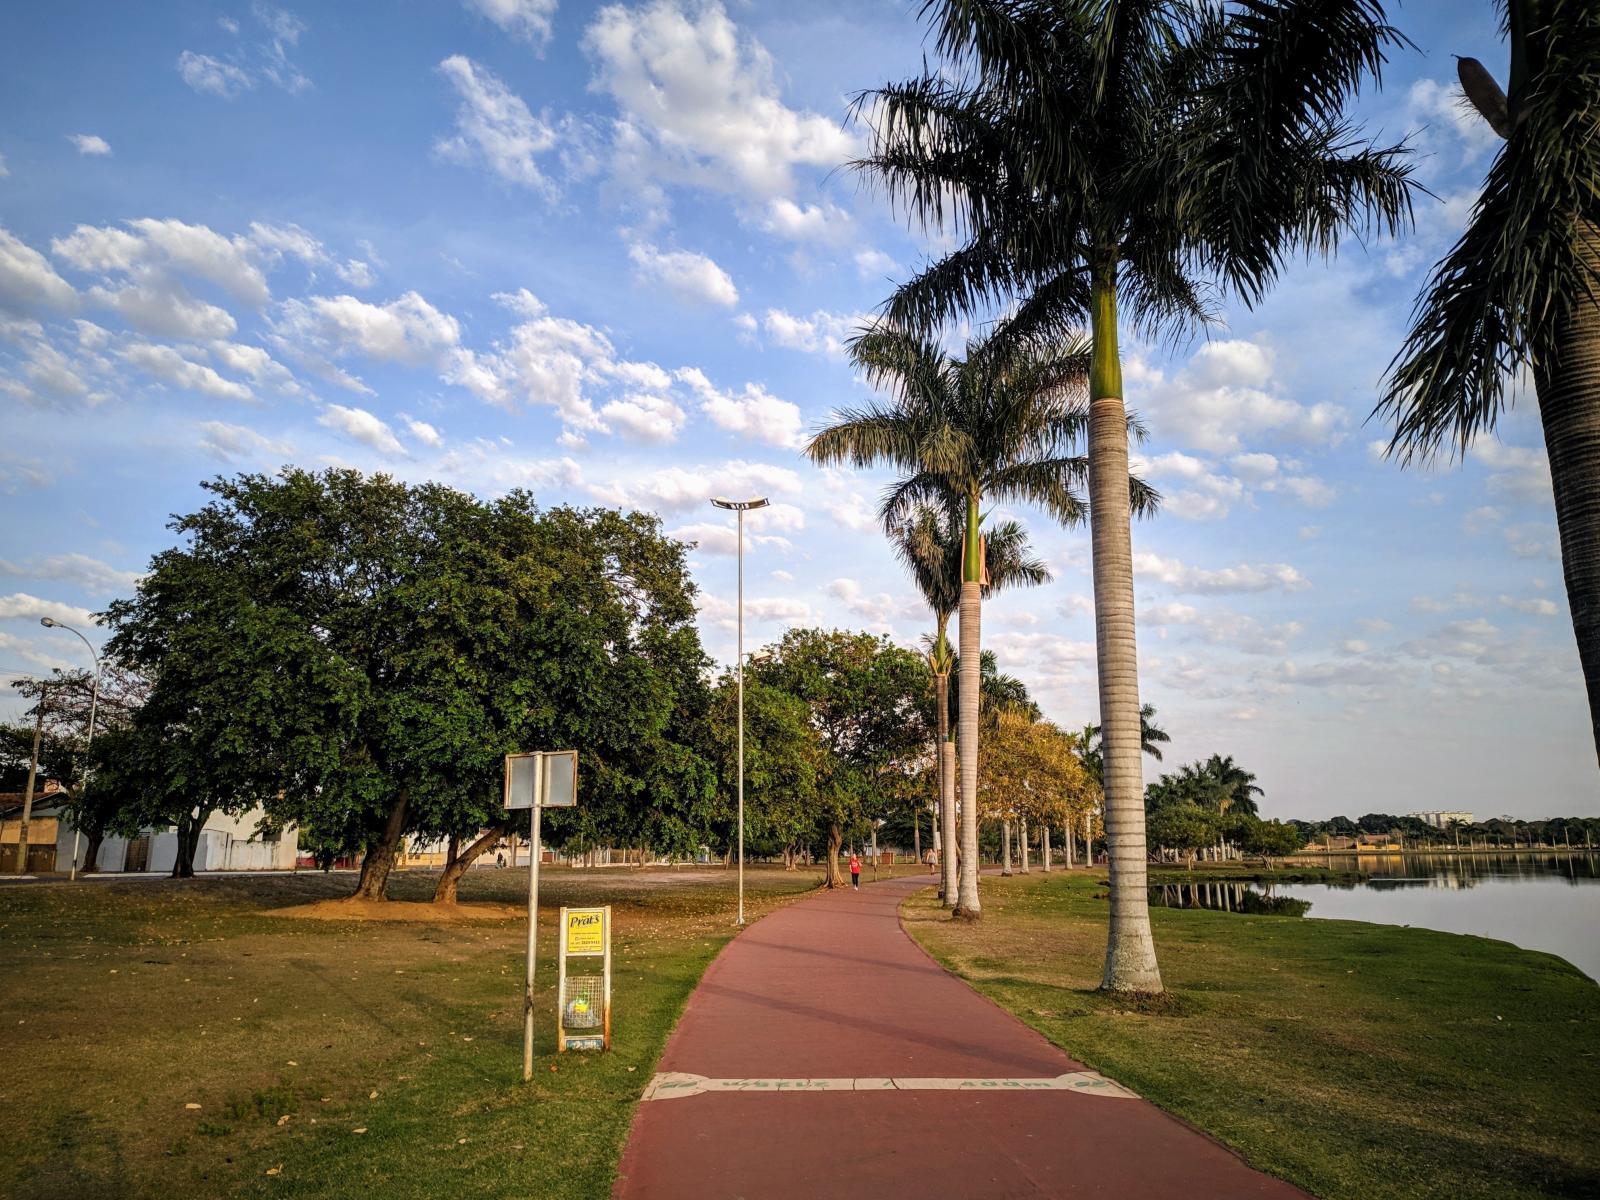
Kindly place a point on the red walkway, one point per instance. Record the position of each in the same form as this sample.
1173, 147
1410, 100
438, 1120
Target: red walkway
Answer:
833, 988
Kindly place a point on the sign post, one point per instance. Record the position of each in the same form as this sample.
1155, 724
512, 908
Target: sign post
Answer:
583, 1013
536, 781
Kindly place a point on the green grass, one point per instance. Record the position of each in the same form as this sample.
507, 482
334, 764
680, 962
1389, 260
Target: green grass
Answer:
1355, 1060
121, 1003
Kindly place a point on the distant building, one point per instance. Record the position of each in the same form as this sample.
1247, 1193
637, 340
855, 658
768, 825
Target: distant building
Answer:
1442, 820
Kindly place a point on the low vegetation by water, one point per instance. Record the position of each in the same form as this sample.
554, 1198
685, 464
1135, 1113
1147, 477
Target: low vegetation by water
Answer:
1355, 1060
328, 1058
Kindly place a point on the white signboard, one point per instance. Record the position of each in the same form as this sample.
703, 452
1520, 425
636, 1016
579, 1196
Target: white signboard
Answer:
555, 770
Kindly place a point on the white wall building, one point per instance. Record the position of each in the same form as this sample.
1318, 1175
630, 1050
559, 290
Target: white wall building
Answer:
1441, 819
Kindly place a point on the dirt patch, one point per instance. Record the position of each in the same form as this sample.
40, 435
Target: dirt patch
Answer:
352, 909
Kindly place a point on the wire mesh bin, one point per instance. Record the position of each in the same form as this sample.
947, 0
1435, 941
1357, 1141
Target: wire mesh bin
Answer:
582, 1001
583, 1019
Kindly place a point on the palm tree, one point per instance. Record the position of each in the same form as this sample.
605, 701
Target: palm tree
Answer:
1235, 787
998, 424
1151, 738
929, 544
1521, 290
1091, 153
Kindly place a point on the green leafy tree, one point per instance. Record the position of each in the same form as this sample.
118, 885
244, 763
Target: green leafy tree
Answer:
358, 656
1520, 291
865, 699
1107, 154
1272, 839
1183, 828
785, 762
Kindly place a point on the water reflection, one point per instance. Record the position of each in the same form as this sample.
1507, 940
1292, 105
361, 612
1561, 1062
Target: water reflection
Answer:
1229, 897
1544, 901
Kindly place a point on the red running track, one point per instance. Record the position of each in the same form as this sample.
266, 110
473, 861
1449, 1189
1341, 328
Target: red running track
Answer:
833, 987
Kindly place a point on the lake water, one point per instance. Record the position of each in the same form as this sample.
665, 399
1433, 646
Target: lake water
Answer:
1542, 902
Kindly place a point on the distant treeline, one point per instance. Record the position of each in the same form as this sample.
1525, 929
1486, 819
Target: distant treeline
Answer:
1499, 831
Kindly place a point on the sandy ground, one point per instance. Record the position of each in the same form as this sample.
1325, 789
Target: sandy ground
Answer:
395, 910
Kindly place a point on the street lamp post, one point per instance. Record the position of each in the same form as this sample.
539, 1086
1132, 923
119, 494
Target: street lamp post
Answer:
741, 507
94, 705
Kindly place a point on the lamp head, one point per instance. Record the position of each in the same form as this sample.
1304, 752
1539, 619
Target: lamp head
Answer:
739, 505
49, 622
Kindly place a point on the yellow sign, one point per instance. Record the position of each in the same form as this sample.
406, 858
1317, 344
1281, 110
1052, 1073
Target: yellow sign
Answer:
586, 931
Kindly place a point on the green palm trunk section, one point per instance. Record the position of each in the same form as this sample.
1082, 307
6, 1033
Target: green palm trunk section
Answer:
970, 643
1130, 949
1571, 420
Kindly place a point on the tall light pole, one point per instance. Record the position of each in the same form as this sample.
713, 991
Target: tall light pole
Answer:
741, 507
94, 704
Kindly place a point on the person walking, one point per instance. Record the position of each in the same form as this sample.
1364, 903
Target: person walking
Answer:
855, 870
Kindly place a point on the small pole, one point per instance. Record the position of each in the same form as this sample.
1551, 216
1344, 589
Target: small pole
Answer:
533, 919
27, 797
741, 716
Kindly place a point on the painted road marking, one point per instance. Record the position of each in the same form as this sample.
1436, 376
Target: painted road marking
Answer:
670, 1085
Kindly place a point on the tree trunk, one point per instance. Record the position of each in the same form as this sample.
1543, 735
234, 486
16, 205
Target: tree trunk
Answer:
91, 853
456, 867
1067, 840
951, 857
189, 826
379, 858
1044, 846
968, 905
1130, 948
916, 832
947, 812
835, 840
1569, 407
1005, 847
1022, 840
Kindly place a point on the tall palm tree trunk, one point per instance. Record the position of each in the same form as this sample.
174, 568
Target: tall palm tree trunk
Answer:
947, 790
947, 819
970, 641
1005, 847
1571, 418
1130, 949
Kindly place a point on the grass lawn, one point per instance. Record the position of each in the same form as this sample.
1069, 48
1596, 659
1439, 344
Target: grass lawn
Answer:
1355, 1060
329, 1059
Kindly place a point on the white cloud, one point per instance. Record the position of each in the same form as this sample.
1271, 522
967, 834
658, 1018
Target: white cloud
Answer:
1441, 106
806, 222
754, 412
1221, 627
529, 20
53, 373
641, 417
255, 362
356, 273
686, 489
89, 143
1535, 605
872, 262
21, 606
233, 443
879, 609
1517, 473
169, 245
710, 537
1224, 394
167, 365
163, 308
821, 333
689, 276
495, 126
204, 73
359, 425
405, 330
424, 433
4, 170
75, 568
28, 281
1181, 577
701, 104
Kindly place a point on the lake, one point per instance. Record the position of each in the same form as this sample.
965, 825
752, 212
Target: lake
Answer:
1542, 902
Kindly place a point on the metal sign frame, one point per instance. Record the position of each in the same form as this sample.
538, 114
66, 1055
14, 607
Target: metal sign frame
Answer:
583, 1036
543, 761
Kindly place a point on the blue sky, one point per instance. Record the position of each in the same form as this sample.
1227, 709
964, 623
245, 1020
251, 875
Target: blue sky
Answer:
606, 252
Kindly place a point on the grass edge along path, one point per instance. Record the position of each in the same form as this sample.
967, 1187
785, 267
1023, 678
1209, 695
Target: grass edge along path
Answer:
334, 1059
1354, 1060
